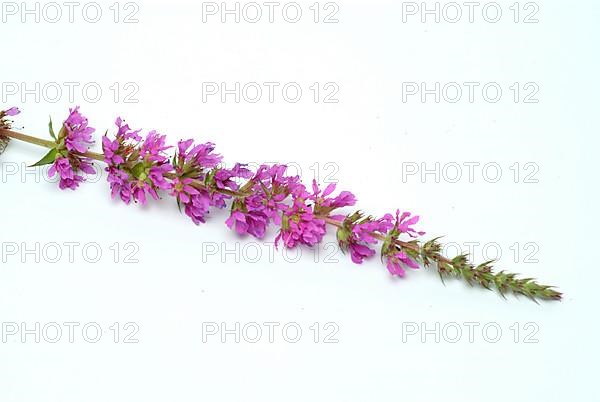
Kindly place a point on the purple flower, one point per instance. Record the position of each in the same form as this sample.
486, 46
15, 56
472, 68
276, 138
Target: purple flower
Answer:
154, 146
225, 179
200, 155
364, 231
395, 256
271, 189
6, 123
73, 141
324, 204
268, 200
66, 173
119, 184
404, 224
111, 149
79, 134
13, 111
251, 223
357, 232
158, 176
244, 221
183, 190
358, 252
152, 169
300, 226
238, 220
136, 168
126, 133
197, 207
396, 260
196, 201
190, 164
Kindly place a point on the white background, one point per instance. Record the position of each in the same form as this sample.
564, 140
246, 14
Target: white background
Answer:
367, 136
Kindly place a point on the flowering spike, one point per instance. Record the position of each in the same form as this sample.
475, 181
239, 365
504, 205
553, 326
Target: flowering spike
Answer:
138, 167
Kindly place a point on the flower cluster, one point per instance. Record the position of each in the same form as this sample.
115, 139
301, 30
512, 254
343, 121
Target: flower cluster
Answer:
265, 202
275, 197
191, 163
304, 221
138, 167
68, 158
396, 257
269, 196
358, 232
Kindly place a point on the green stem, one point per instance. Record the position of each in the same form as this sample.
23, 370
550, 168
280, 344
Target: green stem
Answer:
27, 138
44, 143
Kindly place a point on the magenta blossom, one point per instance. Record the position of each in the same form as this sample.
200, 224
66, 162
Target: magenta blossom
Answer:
357, 232
79, 134
136, 168
396, 261
251, 223
126, 133
267, 187
69, 179
190, 164
300, 225
358, 252
154, 147
6, 123
13, 111
196, 202
111, 149
199, 155
404, 224
225, 179
396, 257
198, 206
271, 187
325, 204
68, 161
119, 184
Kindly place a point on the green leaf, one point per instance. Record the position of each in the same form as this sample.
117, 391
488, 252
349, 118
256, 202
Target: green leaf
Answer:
48, 159
51, 129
